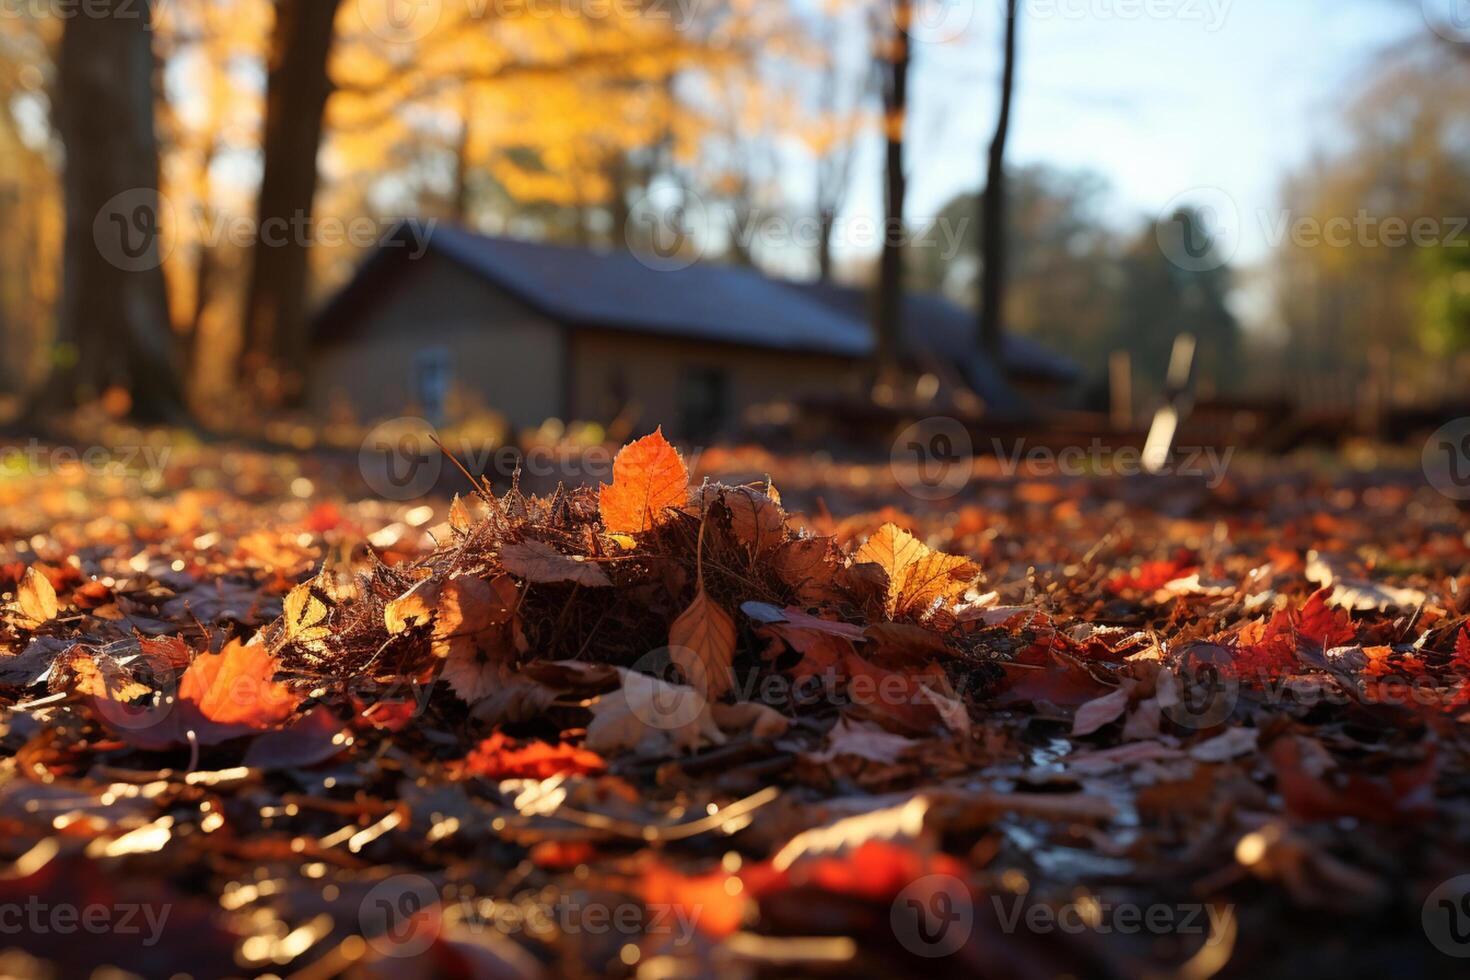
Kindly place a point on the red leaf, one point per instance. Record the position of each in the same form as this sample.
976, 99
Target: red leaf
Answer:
1322, 625
1405, 793
499, 757
1152, 575
1041, 673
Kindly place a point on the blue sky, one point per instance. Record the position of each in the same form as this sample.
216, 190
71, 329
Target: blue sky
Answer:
1221, 93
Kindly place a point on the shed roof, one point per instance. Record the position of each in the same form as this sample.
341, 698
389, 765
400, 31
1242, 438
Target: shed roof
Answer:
616, 290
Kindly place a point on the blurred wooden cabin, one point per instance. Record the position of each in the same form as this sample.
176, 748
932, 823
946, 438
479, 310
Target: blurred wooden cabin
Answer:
535, 331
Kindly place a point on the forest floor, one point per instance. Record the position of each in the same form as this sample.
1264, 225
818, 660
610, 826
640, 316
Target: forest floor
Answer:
778, 717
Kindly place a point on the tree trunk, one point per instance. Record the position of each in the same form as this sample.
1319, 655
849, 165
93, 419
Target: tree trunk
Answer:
296, 101
888, 298
992, 208
113, 327
826, 226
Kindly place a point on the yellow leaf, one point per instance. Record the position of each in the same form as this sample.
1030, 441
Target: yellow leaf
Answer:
306, 615
36, 599
103, 677
917, 576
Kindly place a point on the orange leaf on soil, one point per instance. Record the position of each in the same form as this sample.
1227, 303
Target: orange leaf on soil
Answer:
220, 696
875, 869
716, 903
702, 643
236, 687
649, 477
499, 757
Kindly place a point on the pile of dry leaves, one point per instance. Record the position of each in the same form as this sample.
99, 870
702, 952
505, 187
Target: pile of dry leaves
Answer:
667, 730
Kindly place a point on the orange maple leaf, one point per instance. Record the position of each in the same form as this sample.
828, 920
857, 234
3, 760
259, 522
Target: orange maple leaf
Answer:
649, 476
220, 697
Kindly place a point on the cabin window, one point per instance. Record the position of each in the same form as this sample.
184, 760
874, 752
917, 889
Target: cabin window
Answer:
704, 395
431, 379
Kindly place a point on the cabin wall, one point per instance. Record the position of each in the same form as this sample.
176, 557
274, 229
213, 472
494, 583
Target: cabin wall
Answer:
443, 326
668, 380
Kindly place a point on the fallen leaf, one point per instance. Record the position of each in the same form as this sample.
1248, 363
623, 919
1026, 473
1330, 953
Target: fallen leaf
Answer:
220, 697
756, 520
103, 677
654, 718
500, 757
916, 575
649, 477
702, 643
537, 561
305, 615
1099, 712
863, 741
36, 600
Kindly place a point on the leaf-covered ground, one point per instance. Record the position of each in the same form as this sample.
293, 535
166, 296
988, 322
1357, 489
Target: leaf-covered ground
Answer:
681, 726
